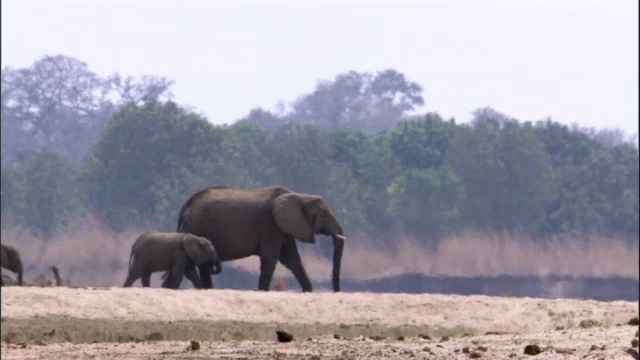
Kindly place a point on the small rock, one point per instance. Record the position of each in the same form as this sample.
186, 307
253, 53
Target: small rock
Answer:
336, 336
425, 336
532, 349
465, 349
475, 355
39, 343
400, 338
426, 349
284, 336
195, 345
635, 342
495, 333
595, 347
634, 353
444, 338
586, 324
376, 337
634, 321
483, 348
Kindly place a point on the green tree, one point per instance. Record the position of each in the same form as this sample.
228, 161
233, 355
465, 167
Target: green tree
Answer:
244, 148
364, 101
427, 202
424, 143
507, 176
11, 195
148, 161
609, 184
47, 193
59, 104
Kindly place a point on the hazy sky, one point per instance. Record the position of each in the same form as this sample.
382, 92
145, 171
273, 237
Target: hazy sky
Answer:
575, 61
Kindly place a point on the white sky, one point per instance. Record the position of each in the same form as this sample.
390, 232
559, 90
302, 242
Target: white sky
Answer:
575, 61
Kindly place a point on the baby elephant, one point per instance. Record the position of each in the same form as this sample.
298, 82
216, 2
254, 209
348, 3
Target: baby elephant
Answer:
159, 251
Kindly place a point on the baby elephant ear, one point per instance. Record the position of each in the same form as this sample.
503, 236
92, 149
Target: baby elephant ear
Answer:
195, 247
290, 218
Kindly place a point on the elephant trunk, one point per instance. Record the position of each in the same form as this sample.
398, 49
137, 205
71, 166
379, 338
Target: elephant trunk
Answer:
217, 267
338, 245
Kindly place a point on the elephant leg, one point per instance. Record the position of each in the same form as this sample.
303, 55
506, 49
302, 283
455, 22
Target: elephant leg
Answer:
176, 277
146, 279
290, 258
205, 278
134, 274
129, 281
168, 279
268, 263
191, 273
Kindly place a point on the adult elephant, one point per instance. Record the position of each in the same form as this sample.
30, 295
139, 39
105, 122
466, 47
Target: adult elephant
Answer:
263, 222
10, 260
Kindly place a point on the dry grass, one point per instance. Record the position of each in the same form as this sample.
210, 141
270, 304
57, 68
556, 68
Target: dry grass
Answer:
92, 255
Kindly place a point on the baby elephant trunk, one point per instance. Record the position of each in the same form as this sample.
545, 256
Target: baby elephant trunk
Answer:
217, 267
213, 267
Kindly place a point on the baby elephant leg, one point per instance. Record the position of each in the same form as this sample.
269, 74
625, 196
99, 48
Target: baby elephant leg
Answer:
175, 276
191, 273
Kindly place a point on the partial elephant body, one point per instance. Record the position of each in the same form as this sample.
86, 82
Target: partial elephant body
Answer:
263, 222
10, 260
157, 251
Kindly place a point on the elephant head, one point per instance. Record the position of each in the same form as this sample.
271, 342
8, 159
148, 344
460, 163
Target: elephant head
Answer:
10, 260
302, 216
202, 253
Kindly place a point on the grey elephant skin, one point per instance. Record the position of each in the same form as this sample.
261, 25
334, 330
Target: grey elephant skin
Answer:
263, 222
156, 251
10, 260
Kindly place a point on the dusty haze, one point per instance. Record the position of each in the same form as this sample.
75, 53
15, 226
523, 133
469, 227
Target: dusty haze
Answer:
93, 255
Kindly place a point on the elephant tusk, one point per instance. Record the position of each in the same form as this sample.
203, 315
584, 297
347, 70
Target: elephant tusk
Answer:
341, 237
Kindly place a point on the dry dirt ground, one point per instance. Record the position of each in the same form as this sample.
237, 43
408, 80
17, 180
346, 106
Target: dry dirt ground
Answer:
136, 323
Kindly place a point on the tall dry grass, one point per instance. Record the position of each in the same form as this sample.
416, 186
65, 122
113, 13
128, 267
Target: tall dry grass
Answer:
92, 255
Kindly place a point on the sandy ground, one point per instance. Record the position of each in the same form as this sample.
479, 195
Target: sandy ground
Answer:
136, 323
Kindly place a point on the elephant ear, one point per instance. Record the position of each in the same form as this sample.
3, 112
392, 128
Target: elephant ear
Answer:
290, 217
194, 247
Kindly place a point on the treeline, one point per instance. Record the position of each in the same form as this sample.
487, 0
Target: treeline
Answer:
74, 143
